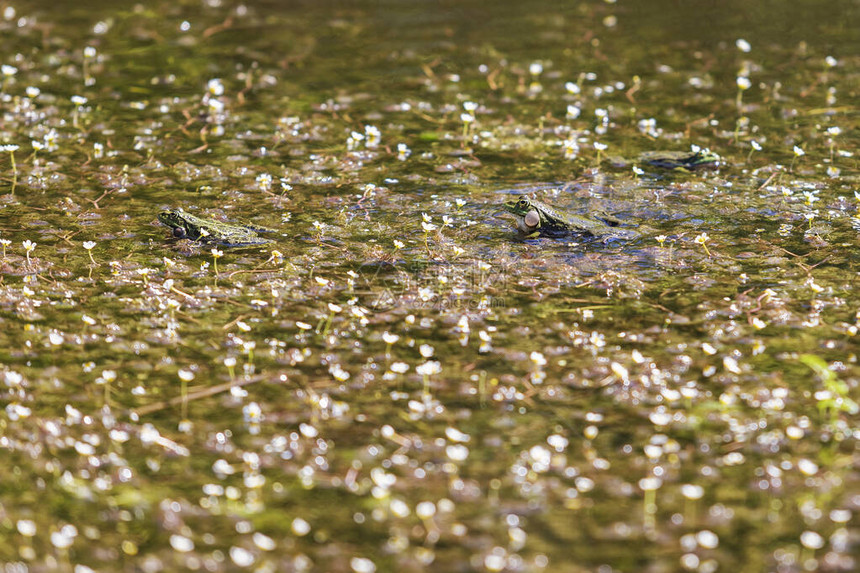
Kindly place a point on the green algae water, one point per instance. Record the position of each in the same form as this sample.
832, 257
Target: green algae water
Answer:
399, 380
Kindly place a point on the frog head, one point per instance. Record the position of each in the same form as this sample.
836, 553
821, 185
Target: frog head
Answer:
531, 215
180, 222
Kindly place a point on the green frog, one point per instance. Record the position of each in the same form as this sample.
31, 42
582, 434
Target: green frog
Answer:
188, 226
537, 218
698, 158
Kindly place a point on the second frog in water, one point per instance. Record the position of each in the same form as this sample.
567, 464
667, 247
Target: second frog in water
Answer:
188, 226
535, 218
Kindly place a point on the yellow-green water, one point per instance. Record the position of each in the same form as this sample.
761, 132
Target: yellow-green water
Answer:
399, 382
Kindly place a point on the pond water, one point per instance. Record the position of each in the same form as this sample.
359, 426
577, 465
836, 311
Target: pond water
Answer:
399, 380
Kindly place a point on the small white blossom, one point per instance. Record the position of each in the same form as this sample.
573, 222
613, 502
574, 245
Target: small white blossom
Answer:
403, 151
215, 87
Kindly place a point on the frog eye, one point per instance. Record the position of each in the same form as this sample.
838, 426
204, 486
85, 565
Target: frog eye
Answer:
523, 203
179, 232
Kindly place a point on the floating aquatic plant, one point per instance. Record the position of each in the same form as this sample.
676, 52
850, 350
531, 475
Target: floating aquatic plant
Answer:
702, 239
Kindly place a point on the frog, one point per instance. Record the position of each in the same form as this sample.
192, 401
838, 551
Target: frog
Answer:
686, 161
536, 218
188, 226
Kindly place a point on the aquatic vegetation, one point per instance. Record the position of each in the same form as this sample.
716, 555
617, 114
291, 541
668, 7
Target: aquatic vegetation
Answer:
744, 84
702, 239
88, 247
29, 247
835, 398
397, 380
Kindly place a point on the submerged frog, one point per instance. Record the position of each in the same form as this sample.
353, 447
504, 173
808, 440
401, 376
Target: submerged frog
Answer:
676, 160
537, 218
188, 226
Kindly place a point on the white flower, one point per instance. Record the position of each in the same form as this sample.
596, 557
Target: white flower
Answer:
571, 148
215, 87
362, 565
390, 338
300, 527
181, 543
64, 537
429, 368
811, 540
26, 527
425, 509
403, 151
252, 413
537, 358
373, 136
692, 491
241, 556
264, 180
215, 106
